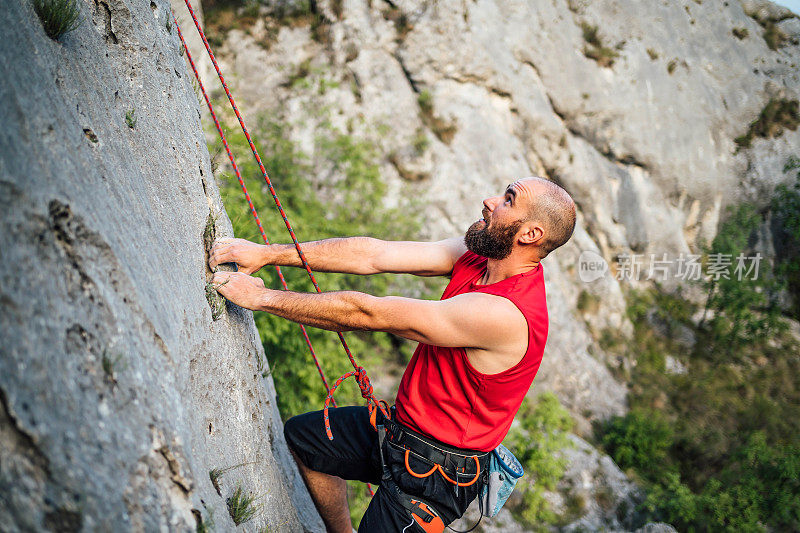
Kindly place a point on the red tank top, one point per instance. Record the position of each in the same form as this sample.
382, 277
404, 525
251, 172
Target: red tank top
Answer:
442, 396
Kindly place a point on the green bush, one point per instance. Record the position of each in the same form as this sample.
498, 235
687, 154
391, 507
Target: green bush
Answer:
774, 36
640, 440
444, 130
757, 490
672, 502
542, 432
777, 115
743, 309
763, 483
740, 33
717, 447
595, 49
786, 210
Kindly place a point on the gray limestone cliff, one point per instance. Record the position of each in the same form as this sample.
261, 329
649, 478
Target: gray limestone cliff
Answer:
119, 391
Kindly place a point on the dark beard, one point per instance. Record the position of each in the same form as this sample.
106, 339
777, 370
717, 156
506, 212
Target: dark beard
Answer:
495, 243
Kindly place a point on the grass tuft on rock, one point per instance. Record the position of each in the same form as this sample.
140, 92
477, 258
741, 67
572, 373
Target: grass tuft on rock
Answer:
111, 364
204, 525
444, 130
241, 506
778, 114
214, 475
402, 24
595, 49
130, 118
420, 142
58, 17
774, 36
672, 65
215, 301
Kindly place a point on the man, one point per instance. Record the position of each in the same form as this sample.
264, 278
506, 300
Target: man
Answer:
480, 347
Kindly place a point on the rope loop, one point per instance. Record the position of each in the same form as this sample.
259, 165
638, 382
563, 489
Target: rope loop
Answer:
364, 384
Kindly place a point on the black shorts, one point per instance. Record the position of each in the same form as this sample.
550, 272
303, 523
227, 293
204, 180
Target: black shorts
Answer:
353, 454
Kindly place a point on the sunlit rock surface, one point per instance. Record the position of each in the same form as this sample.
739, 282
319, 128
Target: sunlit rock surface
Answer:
119, 393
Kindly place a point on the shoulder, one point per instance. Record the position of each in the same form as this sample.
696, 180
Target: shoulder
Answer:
469, 259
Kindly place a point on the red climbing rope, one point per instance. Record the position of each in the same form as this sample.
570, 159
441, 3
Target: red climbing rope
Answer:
247, 195
359, 372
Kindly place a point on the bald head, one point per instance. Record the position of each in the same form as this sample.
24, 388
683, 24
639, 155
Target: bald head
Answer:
554, 209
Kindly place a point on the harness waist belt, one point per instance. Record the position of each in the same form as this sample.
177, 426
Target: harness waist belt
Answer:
449, 457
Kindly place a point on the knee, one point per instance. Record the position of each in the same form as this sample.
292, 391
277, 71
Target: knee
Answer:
291, 432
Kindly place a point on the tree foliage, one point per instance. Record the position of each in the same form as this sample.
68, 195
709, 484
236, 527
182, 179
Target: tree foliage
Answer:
786, 227
640, 440
744, 306
541, 434
717, 446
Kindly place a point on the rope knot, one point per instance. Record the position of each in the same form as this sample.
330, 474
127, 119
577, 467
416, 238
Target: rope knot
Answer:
366, 392
364, 384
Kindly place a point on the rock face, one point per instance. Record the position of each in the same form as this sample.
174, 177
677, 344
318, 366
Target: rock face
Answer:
607, 498
119, 393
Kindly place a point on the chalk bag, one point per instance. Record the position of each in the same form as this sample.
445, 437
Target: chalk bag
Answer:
504, 472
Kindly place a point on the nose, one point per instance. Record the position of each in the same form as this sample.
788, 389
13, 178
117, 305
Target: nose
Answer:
491, 203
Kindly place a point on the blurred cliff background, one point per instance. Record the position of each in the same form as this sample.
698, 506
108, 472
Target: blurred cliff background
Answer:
665, 394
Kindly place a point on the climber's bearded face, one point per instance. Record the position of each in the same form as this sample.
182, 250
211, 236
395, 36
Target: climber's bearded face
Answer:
492, 241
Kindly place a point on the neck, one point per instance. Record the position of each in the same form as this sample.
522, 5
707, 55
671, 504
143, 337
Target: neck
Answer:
500, 269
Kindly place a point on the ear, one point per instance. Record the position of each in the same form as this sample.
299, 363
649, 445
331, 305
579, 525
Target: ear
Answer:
532, 233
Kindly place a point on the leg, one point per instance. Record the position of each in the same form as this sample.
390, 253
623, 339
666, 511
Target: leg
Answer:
325, 464
386, 515
330, 497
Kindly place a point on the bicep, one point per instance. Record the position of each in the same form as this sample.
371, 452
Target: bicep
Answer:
474, 320
420, 258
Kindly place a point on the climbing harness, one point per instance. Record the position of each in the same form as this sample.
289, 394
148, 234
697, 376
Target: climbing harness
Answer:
422, 512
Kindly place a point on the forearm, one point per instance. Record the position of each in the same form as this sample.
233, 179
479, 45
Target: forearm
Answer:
365, 255
334, 311
351, 255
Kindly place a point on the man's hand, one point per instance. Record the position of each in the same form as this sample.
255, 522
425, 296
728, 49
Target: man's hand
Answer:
241, 289
248, 255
